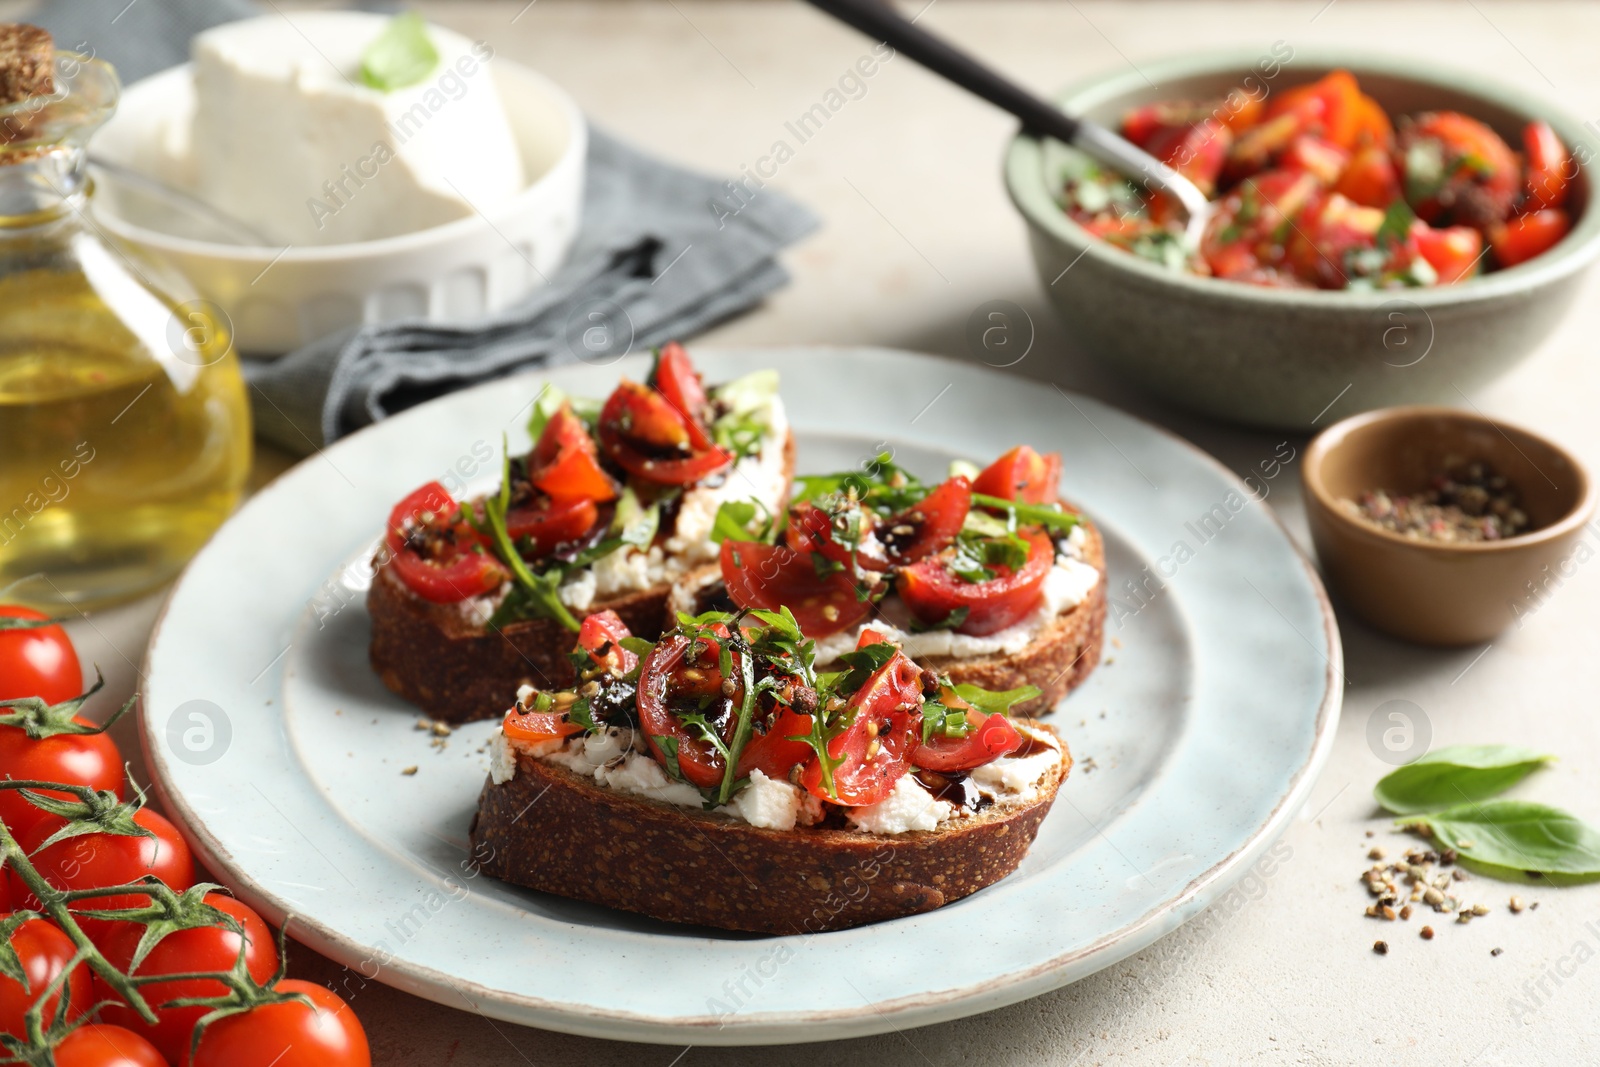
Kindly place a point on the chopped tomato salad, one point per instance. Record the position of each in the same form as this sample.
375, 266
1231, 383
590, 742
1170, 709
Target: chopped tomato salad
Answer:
1317, 187
966, 554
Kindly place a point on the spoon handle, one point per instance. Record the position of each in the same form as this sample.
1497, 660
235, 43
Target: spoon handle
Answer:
879, 20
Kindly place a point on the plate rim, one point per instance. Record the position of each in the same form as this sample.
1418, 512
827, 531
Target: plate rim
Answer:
779, 1027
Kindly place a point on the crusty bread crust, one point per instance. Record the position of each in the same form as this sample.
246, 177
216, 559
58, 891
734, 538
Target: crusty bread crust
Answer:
456, 670
1057, 661
554, 830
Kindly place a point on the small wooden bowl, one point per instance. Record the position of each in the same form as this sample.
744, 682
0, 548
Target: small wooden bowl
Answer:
1442, 593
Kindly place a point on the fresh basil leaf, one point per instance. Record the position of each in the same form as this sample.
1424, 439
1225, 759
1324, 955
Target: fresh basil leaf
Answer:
991, 702
1509, 836
1396, 225
401, 55
1447, 777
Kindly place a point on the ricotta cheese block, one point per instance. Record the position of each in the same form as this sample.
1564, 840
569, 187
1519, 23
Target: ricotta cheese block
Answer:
286, 137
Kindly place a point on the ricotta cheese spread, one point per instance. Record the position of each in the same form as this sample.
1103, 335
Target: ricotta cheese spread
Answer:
616, 758
1067, 585
286, 137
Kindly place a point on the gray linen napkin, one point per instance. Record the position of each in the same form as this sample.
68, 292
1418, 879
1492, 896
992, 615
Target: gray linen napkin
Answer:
661, 253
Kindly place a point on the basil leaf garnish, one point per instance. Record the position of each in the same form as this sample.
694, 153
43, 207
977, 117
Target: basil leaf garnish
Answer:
1448, 777
401, 55
1510, 836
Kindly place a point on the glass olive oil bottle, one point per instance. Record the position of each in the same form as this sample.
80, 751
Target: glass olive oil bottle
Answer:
124, 430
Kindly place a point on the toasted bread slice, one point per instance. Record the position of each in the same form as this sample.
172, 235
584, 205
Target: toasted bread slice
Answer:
444, 660
1056, 661
588, 842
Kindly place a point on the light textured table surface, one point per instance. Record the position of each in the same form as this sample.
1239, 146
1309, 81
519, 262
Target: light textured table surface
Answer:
918, 234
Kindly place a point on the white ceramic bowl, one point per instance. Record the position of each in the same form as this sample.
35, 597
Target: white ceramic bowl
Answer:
278, 300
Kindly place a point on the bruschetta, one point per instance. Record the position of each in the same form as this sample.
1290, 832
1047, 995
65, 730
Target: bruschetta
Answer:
471, 599
716, 777
985, 576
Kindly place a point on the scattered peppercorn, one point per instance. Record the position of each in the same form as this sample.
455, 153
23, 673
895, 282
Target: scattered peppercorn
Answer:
1465, 503
1381, 947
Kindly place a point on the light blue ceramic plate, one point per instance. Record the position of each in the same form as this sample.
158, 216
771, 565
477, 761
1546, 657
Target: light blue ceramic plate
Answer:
282, 755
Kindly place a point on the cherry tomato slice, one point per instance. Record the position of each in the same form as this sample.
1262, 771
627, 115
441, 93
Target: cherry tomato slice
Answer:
1195, 150
772, 576
1453, 252
1322, 158
555, 523
647, 437
601, 635
1548, 166
933, 593
565, 464
44, 952
876, 748
811, 529
37, 662
439, 560
1457, 170
1370, 179
679, 384
1372, 126
668, 681
988, 738
772, 752
535, 727
929, 526
1022, 475
1528, 235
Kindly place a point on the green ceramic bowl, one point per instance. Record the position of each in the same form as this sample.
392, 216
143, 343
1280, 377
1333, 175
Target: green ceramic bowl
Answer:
1292, 358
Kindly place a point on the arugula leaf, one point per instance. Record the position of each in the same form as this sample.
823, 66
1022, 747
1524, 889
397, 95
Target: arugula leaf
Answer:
992, 702
638, 646
401, 55
1049, 515
1448, 777
1396, 226
881, 484
737, 520
938, 718
539, 591
669, 749
1504, 837
862, 663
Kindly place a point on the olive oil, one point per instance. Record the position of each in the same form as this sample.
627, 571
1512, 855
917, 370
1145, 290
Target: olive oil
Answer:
124, 431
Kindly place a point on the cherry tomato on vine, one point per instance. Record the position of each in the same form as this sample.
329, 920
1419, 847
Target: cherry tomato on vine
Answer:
37, 662
289, 1034
100, 1045
93, 861
205, 948
75, 759
44, 952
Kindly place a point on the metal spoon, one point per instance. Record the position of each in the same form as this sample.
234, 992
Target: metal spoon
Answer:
877, 19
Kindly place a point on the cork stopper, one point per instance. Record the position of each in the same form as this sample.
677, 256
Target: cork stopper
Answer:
27, 62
